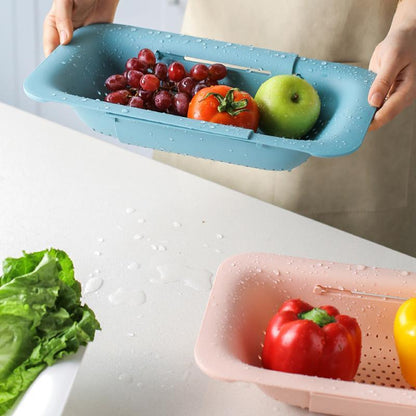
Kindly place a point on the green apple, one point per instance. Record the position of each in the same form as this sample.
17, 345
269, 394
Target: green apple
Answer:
289, 106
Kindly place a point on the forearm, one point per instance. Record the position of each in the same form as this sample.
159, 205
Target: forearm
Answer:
405, 16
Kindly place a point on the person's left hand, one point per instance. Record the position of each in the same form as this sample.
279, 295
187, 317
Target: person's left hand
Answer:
394, 88
67, 15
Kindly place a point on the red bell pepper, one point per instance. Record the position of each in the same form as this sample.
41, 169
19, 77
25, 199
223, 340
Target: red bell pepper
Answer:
313, 341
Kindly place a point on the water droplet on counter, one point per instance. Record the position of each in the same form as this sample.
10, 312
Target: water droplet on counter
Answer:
138, 237
176, 224
141, 220
133, 266
158, 247
97, 253
197, 279
130, 210
100, 239
361, 267
404, 273
123, 296
93, 284
125, 378
220, 236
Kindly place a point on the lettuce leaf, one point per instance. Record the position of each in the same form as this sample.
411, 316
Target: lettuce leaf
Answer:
41, 319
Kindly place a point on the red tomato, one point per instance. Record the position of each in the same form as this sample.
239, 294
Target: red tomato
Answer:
225, 105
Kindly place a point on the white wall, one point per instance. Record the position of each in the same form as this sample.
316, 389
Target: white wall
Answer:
21, 49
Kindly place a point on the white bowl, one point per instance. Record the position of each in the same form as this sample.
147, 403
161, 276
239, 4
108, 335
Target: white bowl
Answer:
48, 394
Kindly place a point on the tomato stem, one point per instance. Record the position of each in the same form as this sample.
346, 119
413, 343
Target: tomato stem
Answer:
228, 104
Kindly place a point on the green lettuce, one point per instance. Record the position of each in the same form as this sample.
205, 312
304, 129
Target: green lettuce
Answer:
41, 319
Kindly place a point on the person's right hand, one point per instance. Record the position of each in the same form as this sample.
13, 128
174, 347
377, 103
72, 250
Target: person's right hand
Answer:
67, 15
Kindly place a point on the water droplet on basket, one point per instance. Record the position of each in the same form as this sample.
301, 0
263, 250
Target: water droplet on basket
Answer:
93, 284
319, 290
404, 273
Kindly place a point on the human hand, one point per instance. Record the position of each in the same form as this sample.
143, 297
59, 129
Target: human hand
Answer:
67, 15
394, 62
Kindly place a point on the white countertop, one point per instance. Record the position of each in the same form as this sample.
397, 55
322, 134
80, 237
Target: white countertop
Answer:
146, 240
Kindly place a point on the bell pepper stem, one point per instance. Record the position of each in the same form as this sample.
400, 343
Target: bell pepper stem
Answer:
317, 315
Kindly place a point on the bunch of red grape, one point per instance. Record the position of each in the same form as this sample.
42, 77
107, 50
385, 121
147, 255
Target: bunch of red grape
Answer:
154, 85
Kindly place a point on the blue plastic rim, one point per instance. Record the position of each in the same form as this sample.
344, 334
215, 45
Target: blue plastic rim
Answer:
75, 75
